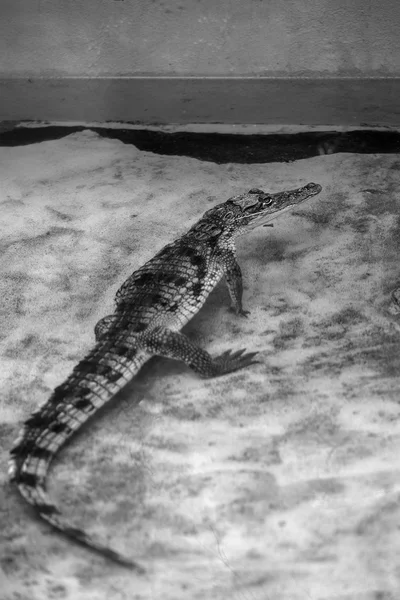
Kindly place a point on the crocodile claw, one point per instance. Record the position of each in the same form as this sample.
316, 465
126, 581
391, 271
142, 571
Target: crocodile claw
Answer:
230, 361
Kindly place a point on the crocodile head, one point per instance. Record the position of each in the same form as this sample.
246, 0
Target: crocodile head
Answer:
241, 213
257, 208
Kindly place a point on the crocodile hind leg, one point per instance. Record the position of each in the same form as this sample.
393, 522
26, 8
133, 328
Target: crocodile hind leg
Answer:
172, 344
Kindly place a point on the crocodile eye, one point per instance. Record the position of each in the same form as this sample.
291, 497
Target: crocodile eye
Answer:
228, 216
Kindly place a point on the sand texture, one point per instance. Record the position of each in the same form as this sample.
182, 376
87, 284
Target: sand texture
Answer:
279, 482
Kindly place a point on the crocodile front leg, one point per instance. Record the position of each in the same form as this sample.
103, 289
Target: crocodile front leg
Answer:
104, 325
234, 281
173, 344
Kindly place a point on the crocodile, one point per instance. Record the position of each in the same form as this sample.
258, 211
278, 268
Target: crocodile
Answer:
151, 307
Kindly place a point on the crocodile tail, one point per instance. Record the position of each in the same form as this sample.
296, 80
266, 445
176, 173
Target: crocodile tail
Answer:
93, 382
34, 492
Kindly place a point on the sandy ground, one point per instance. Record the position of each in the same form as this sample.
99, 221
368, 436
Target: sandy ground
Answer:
280, 482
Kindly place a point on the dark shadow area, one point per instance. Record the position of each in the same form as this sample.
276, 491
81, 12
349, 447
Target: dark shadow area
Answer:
224, 147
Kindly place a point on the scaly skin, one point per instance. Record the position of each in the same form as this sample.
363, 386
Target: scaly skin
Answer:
152, 306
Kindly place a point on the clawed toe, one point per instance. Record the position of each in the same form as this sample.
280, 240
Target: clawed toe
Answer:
239, 311
230, 361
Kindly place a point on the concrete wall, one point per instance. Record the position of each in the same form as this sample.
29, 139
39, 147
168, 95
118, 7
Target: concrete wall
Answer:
199, 37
